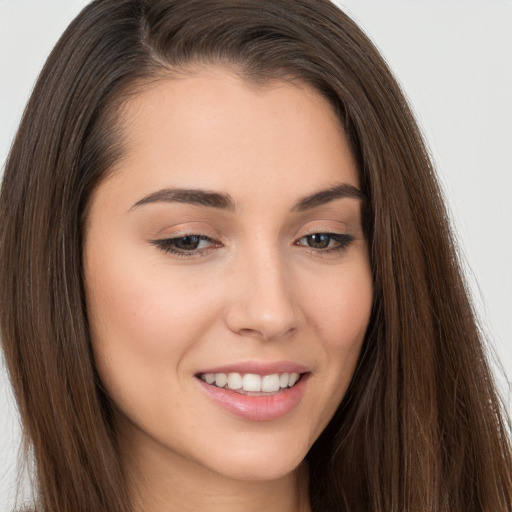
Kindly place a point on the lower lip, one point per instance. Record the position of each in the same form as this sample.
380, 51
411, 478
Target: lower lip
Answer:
258, 408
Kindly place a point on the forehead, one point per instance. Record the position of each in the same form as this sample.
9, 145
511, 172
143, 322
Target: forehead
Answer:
213, 129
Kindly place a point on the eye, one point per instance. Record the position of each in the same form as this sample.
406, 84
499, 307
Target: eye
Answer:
187, 245
326, 242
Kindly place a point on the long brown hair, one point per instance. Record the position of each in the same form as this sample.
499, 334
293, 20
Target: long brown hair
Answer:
421, 426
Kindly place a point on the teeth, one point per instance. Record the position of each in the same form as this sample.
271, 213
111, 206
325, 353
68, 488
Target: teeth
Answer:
270, 383
252, 382
234, 381
221, 380
294, 377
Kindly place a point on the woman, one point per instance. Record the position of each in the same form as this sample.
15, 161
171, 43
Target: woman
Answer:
228, 280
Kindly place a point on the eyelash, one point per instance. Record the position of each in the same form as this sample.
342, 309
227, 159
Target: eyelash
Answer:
343, 241
168, 245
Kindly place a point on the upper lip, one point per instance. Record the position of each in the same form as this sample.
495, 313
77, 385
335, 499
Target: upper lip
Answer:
258, 368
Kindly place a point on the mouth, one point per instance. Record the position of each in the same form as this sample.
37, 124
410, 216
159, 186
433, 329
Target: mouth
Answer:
256, 390
252, 384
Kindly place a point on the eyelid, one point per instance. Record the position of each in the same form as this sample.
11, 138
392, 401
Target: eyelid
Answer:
199, 228
322, 226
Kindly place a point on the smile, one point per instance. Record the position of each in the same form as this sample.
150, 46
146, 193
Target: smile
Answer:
256, 394
251, 383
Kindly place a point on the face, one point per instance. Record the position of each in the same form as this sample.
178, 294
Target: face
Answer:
227, 275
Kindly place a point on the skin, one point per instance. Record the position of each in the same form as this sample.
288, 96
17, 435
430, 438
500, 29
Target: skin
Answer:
257, 291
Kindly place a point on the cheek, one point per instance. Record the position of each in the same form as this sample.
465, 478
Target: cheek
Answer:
142, 318
340, 309
339, 312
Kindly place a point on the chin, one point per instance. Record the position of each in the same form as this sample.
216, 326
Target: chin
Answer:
260, 459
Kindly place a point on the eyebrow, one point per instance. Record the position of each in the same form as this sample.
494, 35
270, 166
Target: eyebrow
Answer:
189, 196
343, 190
225, 201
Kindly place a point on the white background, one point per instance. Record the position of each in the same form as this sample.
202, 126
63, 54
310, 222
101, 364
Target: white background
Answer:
454, 60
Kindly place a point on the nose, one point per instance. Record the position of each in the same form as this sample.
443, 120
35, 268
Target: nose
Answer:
262, 304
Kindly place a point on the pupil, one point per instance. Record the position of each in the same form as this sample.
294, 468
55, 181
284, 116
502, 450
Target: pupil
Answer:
188, 243
319, 241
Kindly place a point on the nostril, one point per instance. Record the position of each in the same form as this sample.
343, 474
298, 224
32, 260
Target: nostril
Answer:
266, 333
